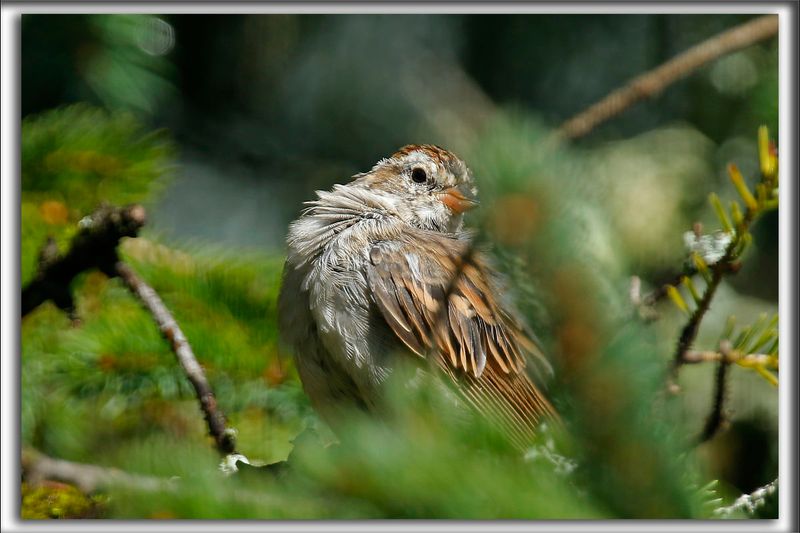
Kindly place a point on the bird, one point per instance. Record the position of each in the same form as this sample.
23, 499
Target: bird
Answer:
381, 269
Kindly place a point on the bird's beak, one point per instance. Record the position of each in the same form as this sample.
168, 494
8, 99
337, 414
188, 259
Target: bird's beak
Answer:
459, 199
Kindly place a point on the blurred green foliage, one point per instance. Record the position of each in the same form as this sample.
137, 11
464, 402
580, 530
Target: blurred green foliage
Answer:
119, 61
568, 224
129, 69
76, 157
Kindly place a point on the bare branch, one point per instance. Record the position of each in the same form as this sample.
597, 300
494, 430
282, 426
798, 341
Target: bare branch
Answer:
38, 467
651, 83
222, 435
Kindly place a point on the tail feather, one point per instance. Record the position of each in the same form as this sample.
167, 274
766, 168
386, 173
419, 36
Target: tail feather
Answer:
511, 400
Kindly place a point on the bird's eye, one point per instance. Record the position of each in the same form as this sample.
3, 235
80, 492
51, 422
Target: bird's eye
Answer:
418, 175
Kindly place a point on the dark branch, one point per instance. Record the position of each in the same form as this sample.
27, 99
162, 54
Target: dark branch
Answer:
689, 331
95, 246
716, 418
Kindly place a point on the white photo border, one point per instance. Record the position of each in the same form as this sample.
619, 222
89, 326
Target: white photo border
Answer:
10, 272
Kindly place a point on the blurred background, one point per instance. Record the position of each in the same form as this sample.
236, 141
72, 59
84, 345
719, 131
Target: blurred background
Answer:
224, 125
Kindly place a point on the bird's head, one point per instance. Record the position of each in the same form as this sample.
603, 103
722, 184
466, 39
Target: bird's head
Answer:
427, 186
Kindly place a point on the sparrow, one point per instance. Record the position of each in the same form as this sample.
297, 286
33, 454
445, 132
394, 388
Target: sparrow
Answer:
381, 269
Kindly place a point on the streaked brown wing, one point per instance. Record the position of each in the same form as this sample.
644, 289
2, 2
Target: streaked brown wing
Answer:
477, 342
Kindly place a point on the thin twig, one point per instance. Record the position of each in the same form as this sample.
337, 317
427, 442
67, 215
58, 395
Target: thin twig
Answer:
89, 478
222, 435
651, 83
38, 467
751, 359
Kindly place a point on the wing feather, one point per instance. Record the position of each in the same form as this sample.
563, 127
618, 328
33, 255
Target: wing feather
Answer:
475, 341
386, 298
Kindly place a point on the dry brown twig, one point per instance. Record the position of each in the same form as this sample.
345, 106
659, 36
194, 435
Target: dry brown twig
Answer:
38, 467
223, 436
89, 478
653, 82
